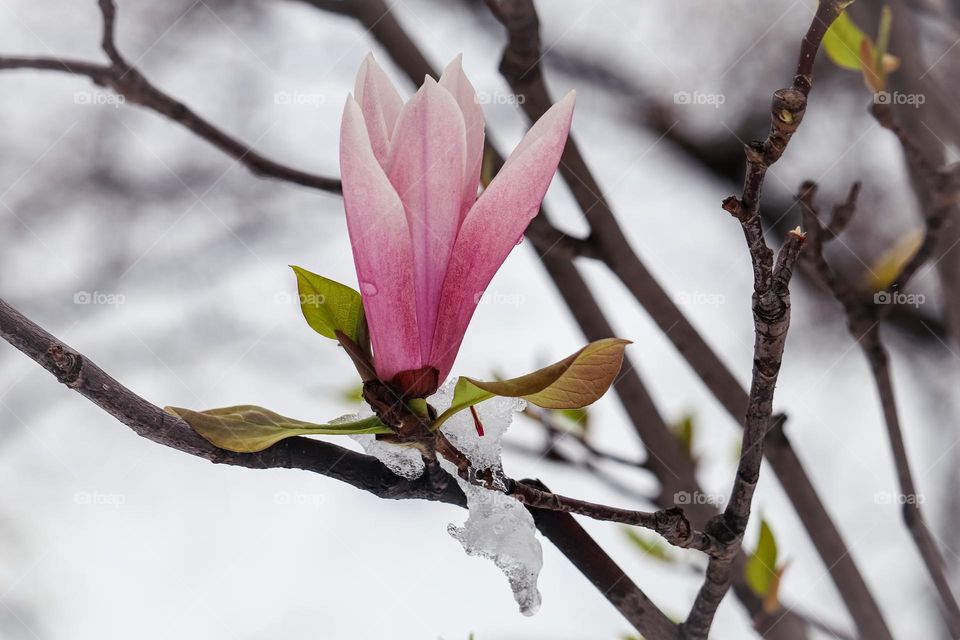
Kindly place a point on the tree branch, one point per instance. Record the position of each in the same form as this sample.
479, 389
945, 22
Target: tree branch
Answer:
671, 524
147, 420
133, 86
520, 66
771, 312
863, 321
666, 458
361, 471
575, 543
127, 81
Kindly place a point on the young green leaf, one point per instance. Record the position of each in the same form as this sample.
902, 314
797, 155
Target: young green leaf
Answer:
353, 393
683, 430
574, 382
887, 267
579, 418
650, 546
850, 48
465, 395
842, 42
329, 306
247, 429
883, 38
761, 568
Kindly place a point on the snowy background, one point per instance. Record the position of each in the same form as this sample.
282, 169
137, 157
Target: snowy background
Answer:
105, 535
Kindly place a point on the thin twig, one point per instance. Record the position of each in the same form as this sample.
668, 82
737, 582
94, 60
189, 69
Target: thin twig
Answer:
364, 472
520, 66
587, 466
383, 27
771, 312
574, 542
672, 524
77, 372
863, 321
554, 432
127, 81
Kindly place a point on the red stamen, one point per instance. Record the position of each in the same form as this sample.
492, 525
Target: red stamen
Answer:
476, 421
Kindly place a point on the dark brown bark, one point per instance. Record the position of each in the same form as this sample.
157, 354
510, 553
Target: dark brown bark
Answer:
361, 471
576, 544
863, 321
771, 313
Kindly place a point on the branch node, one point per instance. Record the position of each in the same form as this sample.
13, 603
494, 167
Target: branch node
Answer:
67, 365
732, 206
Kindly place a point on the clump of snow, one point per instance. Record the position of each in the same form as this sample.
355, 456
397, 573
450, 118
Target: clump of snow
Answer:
495, 415
498, 527
501, 529
406, 462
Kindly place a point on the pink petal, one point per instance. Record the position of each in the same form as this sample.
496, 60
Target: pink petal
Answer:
380, 103
495, 225
382, 250
456, 82
426, 169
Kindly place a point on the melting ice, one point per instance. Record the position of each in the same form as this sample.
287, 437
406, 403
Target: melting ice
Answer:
498, 527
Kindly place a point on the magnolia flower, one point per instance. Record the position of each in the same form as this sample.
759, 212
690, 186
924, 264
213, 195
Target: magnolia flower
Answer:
425, 246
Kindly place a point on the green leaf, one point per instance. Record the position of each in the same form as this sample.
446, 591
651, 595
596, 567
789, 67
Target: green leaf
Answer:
574, 382
247, 429
465, 395
761, 568
579, 418
650, 546
883, 37
842, 42
352, 394
683, 430
329, 306
887, 267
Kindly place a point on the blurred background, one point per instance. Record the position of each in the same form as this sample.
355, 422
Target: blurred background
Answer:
166, 263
